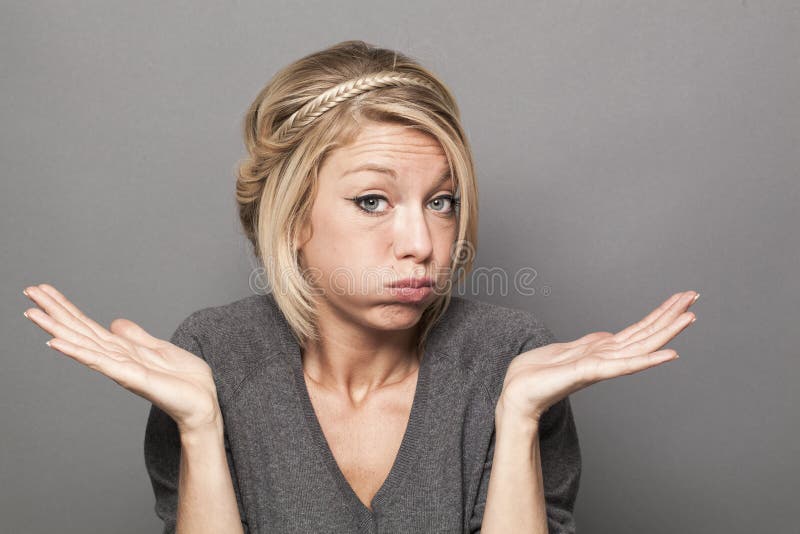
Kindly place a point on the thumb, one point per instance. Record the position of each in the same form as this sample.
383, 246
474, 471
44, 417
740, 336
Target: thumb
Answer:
135, 333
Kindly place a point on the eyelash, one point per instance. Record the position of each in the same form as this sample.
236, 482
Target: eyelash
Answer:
454, 203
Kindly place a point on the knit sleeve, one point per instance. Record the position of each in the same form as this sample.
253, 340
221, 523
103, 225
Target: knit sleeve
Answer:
560, 458
162, 447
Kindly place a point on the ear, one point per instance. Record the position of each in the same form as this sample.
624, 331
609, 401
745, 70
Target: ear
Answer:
303, 235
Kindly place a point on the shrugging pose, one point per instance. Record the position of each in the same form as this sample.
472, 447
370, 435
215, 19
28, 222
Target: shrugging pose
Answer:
358, 393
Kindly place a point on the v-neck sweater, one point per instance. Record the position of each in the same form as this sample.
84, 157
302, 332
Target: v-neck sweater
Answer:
285, 477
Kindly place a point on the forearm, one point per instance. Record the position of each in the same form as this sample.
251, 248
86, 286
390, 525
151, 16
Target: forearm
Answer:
206, 499
515, 496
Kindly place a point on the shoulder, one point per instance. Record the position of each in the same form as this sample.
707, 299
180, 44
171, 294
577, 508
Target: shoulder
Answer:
224, 319
233, 338
229, 320
484, 337
474, 323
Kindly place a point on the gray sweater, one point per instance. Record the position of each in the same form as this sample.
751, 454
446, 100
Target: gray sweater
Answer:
284, 474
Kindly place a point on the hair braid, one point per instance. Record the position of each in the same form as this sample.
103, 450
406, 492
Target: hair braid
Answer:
344, 91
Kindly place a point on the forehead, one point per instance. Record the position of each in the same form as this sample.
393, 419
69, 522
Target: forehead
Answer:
394, 142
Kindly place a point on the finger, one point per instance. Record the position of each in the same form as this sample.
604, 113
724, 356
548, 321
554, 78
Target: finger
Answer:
135, 333
680, 306
664, 306
144, 347
626, 366
125, 372
671, 303
657, 339
98, 329
62, 315
57, 329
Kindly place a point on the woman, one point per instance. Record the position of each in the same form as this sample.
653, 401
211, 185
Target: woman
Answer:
359, 394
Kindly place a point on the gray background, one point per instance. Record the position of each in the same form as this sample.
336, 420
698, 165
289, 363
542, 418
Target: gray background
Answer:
626, 150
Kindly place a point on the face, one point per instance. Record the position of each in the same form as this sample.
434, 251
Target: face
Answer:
384, 212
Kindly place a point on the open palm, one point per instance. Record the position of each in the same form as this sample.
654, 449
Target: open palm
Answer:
175, 380
539, 378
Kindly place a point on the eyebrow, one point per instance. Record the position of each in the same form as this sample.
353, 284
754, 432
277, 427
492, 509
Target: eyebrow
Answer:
390, 172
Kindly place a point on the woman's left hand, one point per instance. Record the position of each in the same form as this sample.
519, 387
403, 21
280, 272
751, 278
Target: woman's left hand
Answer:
539, 378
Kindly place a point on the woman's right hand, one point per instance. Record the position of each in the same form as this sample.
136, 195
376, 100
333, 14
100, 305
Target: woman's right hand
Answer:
178, 382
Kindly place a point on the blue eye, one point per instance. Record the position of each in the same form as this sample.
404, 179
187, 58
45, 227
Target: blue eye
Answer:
452, 202
369, 203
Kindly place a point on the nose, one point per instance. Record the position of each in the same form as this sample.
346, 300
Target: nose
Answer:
412, 237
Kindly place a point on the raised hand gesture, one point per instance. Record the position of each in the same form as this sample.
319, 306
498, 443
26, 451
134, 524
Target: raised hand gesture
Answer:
177, 381
539, 378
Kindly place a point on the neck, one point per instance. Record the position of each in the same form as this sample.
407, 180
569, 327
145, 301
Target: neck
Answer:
355, 360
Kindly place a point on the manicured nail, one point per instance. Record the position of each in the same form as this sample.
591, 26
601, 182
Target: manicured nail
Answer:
25, 313
25, 292
47, 343
693, 319
695, 298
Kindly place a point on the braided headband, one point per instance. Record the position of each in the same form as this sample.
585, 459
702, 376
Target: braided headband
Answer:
345, 90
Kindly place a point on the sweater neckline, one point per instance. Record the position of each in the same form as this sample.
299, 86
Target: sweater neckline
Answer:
404, 459
410, 444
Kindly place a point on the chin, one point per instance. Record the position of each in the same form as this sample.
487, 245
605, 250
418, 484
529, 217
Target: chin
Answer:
395, 315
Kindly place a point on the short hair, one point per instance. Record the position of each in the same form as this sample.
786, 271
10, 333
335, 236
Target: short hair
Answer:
296, 120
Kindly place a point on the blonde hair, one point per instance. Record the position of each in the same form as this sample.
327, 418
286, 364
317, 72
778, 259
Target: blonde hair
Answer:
312, 106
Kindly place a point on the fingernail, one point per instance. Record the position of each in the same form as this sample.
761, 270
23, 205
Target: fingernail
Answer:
25, 313
693, 319
25, 292
695, 298
47, 343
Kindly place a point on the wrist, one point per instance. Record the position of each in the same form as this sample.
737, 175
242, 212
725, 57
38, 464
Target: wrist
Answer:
211, 428
507, 417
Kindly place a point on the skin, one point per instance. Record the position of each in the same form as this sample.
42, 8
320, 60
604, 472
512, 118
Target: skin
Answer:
177, 381
362, 374
538, 378
560, 369
367, 337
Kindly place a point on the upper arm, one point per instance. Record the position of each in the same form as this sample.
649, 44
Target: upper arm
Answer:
162, 447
